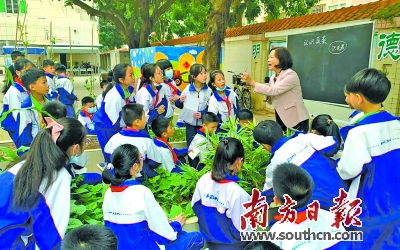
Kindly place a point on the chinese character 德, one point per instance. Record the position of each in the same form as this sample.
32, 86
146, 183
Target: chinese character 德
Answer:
389, 45
345, 210
257, 211
289, 214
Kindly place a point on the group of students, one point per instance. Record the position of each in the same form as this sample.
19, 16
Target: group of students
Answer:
35, 203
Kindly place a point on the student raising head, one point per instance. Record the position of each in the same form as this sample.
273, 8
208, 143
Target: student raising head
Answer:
219, 217
224, 102
107, 120
310, 151
143, 219
36, 191
87, 113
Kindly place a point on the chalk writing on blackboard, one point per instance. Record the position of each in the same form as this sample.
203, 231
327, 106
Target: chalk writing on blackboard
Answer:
337, 47
315, 41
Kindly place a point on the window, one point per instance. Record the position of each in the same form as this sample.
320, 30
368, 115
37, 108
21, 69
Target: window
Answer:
11, 6
317, 9
334, 7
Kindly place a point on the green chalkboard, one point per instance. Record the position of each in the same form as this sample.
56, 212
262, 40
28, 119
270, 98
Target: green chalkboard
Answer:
326, 60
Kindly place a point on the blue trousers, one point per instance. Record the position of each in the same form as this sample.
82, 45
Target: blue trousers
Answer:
192, 240
103, 136
70, 111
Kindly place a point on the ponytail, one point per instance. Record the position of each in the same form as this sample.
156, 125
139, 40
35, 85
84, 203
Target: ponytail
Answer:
325, 126
333, 130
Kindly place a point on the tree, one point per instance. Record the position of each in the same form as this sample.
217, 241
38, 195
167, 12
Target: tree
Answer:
218, 19
109, 36
133, 19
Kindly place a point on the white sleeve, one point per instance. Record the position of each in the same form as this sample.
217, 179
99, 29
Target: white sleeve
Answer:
99, 99
268, 176
235, 207
144, 98
68, 86
213, 105
13, 99
152, 152
110, 147
354, 156
112, 107
167, 161
82, 120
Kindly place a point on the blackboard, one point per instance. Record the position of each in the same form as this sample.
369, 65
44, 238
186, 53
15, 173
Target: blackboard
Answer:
326, 60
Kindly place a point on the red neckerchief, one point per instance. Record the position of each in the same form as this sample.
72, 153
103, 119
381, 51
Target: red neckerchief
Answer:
118, 188
223, 181
130, 128
174, 156
87, 114
174, 89
17, 80
228, 103
301, 216
156, 101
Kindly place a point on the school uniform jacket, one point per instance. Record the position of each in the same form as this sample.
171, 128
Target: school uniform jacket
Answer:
286, 97
43, 224
110, 113
144, 144
169, 90
169, 155
52, 88
132, 213
201, 142
218, 206
99, 100
86, 119
311, 152
323, 224
65, 89
224, 108
151, 100
191, 94
372, 153
13, 99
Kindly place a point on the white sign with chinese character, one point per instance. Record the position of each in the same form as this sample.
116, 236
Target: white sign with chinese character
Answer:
389, 45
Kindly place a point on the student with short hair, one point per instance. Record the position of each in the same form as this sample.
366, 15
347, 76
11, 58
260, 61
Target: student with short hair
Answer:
219, 217
132, 213
134, 117
49, 68
35, 200
87, 113
103, 86
370, 159
108, 119
171, 157
245, 116
261, 245
65, 90
55, 108
30, 121
14, 95
15, 55
309, 151
292, 180
200, 141
90, 237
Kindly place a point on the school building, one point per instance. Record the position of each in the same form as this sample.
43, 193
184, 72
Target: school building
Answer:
49, 30
247, 47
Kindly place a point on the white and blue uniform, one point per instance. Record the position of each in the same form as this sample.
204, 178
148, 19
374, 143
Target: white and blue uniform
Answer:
13, 99
99, 100
355, 115
52, 96
144, 144
86, 119
151, 100
201, 142
169, 90
202, 98
66, 95
218, 205
224, 107
167, 155
44, 223
108, 119
323, 224
311, 152
132, 213
371, 158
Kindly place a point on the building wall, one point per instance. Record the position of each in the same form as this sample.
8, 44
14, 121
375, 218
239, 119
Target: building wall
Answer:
38, 18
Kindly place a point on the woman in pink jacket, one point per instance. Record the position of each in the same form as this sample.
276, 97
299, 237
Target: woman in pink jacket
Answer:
283, 91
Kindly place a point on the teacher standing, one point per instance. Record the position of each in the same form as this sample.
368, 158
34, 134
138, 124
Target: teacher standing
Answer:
283, 91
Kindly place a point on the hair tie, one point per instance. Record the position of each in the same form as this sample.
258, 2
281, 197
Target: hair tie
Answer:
329, 121
56, 128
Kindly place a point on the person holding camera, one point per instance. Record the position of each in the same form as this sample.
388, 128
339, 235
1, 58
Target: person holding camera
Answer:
283, 91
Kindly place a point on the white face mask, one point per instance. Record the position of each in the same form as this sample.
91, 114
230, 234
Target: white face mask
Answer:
169, 73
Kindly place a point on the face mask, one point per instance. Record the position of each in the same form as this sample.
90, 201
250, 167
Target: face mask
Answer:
169, 73
220, 89
91, 110
73, 159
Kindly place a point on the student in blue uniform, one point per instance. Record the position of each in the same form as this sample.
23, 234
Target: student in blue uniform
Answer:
15, 55
132, 213
150, 94
224, 102
65, 90
171, 157
30, 121
294, 181
134, 117
107, 120
87, 113
90, 237
310, 151
50, 70
13, 98
171, 91
35, 200
217, 200
194, 99
370, 159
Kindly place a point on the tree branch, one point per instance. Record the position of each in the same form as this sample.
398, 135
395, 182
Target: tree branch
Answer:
161, 10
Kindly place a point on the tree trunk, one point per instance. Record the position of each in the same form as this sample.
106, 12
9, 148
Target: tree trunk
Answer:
217, 22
